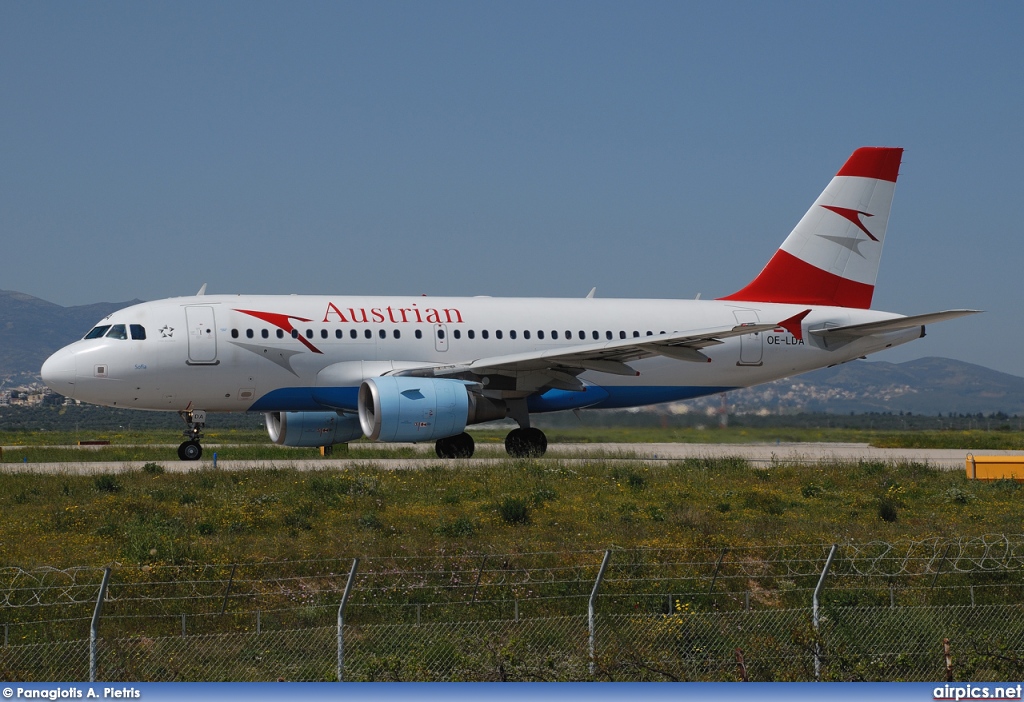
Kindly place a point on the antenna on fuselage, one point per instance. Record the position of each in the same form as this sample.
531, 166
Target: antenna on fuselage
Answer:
202, 291
593, 291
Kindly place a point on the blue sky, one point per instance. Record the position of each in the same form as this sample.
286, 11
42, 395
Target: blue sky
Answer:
523, 148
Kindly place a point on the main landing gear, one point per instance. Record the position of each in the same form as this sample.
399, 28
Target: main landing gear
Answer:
459, 446
526, 443
191, 449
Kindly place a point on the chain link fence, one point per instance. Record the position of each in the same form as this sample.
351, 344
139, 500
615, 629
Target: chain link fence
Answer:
931, 610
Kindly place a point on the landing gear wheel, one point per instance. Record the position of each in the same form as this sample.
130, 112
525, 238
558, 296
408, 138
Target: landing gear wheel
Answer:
526, 443
190, 451
459, 446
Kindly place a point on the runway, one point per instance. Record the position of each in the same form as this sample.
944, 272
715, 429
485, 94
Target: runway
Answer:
491, 454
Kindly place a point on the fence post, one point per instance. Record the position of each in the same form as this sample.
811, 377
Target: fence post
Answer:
949, 660
341, 619
941, 561
717, 567
814, 613
227, 590
590, 607
96, 622
479, 574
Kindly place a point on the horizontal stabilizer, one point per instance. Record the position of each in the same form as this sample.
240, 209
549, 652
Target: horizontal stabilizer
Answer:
892, 325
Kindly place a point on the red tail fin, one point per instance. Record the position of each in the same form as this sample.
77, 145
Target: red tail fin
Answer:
831, 257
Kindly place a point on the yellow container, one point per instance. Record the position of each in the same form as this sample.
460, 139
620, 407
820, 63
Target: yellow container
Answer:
995, 467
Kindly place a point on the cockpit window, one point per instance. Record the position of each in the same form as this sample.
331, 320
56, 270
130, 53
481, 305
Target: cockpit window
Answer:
117, 332
97, 332
138, 332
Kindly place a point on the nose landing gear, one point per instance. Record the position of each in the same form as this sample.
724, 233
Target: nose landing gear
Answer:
191, 449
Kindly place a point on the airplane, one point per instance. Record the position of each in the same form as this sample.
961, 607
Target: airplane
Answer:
327, 370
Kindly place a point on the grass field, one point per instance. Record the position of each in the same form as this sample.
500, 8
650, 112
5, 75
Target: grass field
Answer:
209, 516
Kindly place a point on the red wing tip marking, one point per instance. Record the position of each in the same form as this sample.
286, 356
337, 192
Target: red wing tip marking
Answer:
793, 324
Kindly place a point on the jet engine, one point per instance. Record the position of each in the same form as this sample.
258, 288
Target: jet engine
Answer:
312, 429
403, 408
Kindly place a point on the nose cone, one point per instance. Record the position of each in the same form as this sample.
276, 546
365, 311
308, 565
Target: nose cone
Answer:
59, 372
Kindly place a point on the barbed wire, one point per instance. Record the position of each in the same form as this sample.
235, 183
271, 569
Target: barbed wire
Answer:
456, 577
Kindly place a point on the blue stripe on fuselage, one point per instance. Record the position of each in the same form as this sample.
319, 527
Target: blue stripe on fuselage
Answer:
596, 397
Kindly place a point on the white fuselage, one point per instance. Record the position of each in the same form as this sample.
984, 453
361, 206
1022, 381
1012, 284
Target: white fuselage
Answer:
226, 353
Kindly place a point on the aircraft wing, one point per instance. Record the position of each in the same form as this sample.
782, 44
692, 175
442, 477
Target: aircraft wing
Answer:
558, 367
891, 325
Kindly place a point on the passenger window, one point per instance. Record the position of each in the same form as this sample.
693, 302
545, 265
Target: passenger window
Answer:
650, 333
338, 334
368, 334
540, 333
484, 333
382, 334
248, 333
117, 332
472, 334
526, 333
264, 333
97, 332
234, 333
554, 334
323, 333
440, 333
280, 333
636, 334
295, 333
398, 334
353, 333
138, 332
512, 334
608, 335
596, 336
568, 335
419, 333
309, 333
622, 335
497, 334
457, 334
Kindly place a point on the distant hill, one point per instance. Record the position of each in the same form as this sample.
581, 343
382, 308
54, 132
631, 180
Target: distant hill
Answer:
924, 386
31, 329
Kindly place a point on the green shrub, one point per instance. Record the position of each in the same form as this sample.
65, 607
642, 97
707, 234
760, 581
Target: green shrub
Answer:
514, 510
153, 469
370, 520
461, 526
811, 490
957, 496
107, 483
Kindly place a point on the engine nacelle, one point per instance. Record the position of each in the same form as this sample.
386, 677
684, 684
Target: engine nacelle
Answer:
312, 429
402, 408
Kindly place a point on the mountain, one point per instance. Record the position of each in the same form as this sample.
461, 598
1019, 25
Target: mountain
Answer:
923, 386
31, 329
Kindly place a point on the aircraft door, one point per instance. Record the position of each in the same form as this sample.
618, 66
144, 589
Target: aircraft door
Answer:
440, 337
202, 335
751, 345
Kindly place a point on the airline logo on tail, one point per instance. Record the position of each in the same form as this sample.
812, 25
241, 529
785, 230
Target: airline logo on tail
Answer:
854, 216
821, 262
